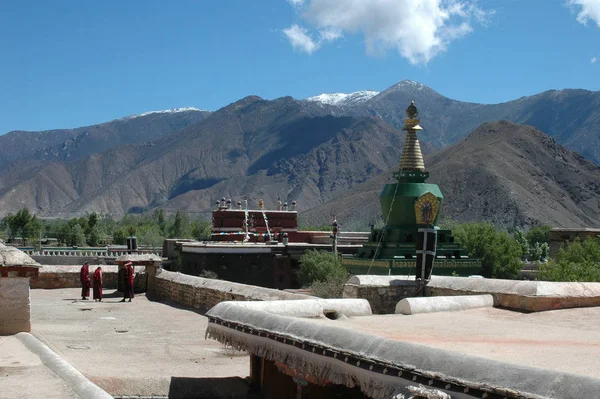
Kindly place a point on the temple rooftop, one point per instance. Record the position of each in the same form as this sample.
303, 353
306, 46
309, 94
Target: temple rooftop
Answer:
478, 353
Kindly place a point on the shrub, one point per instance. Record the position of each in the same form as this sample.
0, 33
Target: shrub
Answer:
499, 253
331, 287
320, 266
523, 243
578, 261
539, 234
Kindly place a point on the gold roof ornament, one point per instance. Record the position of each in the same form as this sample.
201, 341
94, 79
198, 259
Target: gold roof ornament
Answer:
411, 111
412, 158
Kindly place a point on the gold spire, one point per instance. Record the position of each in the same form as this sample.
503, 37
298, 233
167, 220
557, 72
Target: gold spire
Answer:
412, 158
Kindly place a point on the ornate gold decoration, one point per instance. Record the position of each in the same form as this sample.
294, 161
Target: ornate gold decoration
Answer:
412, 158
427, 208
261, 204
411, 111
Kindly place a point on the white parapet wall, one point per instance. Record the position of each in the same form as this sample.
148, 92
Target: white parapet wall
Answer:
528, 296
308, 308
410, 306
14, 305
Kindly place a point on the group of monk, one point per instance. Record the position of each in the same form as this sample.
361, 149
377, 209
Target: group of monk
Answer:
86, 283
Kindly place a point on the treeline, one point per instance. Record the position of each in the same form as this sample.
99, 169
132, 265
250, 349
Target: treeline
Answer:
96, 230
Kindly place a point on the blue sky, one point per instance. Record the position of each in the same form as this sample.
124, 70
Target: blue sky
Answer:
72, 63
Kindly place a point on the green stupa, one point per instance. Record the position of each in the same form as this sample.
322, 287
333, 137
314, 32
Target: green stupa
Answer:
407, 205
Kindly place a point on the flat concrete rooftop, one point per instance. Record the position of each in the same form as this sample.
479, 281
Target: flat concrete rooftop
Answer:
23, 375
565, 340
141, 348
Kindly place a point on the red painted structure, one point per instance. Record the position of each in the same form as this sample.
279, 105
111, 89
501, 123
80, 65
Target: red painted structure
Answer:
230, 225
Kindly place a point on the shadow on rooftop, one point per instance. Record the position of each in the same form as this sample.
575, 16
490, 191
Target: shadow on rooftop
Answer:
177, 305
209, 388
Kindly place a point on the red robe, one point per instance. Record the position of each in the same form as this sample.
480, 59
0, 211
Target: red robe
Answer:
98, 284
84, 277
128, 293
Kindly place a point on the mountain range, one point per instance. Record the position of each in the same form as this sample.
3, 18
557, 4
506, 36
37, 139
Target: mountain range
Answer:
313, 151
504, 173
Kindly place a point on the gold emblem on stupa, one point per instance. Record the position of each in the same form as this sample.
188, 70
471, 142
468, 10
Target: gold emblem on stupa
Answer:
427, 208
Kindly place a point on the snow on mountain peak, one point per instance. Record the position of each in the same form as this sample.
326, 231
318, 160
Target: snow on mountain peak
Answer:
165, 111
409, 84
344, 99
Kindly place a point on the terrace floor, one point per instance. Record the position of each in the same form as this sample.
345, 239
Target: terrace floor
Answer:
142, 348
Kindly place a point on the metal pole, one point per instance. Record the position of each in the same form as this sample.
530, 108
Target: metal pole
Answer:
424, 257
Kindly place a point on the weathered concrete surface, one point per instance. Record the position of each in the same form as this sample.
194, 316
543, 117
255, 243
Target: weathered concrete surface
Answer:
204, 293
311, 307
138, 348
542, 355
409, 306
23, 375
561, 340
11, 256
531, 296
76, 381
138, 258
14, 305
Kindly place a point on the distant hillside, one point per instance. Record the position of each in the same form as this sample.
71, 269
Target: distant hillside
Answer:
75, 144
252, 148
571, 116
507, 174
310, 151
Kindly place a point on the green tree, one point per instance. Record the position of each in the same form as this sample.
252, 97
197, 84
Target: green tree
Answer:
180, 226
120, 237
201, 230
545, 248
17, 223
159, 217
318, 265
149, 234
131, 230
77, 235
578, 261
499, 253
539, 234
519, 237
93, 237
33, 231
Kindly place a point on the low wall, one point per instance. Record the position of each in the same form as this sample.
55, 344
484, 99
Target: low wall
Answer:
529, 296
67, 276
383, 299
204, 293
14, 305
63, 260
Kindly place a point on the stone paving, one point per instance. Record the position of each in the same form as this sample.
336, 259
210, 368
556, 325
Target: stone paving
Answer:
22, 374
142, 348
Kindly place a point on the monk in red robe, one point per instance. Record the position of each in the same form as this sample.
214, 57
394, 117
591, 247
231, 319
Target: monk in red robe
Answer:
84, 277
128, 277
98, 284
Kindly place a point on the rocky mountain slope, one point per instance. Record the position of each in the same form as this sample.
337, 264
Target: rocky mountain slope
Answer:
254, 148
310, 151
572, 117
507, 174
76, 144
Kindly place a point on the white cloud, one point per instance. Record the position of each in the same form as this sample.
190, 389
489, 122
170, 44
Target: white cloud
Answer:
296, 3
588, 10
594, 60
300, 39
418, 29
